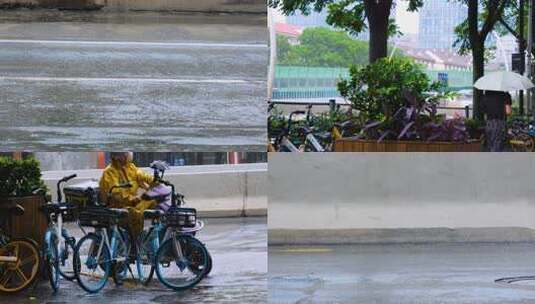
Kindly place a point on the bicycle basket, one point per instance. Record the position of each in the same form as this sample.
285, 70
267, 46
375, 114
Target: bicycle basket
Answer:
180, 217
82, 194
97, 217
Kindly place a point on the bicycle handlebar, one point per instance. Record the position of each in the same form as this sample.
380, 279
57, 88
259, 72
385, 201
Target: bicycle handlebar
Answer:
290, 119
61, 181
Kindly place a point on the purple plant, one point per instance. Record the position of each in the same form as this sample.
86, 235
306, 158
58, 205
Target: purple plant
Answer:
448, 130
417, 120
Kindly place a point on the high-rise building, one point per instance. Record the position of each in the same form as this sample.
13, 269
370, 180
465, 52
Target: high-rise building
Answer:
438, 19
317, 19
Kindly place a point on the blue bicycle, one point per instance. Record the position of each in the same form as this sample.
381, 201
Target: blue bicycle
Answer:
58, 244
104, 252
169, 246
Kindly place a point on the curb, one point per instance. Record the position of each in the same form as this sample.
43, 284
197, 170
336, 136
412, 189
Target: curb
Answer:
261, 212
400, 236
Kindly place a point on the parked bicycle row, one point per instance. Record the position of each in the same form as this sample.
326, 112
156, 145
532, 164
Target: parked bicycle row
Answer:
109, 248
307, 131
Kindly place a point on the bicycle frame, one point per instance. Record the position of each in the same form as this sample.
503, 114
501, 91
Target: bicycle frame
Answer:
112, 245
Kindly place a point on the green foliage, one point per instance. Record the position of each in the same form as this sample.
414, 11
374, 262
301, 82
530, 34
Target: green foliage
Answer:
376, 90
507, 13
474, 127
322, 47
348, 15
19, 177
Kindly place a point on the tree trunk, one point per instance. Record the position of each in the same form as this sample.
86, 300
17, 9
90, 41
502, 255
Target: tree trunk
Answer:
378, 13
478, 60
478, 64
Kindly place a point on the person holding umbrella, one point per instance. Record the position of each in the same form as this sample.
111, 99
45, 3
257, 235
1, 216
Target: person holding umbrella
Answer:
497, 104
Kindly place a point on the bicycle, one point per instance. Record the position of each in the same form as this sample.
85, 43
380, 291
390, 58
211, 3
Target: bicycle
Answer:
58, 244
171, 238
521, 136
104, 252
19, 258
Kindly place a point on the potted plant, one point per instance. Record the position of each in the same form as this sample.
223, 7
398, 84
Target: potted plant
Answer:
399, 102
18, 180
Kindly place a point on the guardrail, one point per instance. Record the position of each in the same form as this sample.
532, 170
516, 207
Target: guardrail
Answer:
333, 103
215, 190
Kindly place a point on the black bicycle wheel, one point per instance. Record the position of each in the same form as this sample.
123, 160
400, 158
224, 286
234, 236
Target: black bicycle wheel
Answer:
180, 270
66, 259
51, 262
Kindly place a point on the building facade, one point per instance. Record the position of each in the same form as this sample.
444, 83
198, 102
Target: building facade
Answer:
438, 19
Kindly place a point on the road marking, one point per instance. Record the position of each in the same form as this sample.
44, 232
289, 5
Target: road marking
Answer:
136, 43
305, 250
152, 80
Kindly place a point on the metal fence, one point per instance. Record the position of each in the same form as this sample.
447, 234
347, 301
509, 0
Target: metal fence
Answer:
288, 106
294, 82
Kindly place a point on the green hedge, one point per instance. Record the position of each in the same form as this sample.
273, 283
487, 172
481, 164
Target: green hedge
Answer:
19, 177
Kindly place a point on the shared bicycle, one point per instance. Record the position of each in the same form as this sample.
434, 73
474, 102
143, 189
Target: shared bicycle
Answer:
19, 257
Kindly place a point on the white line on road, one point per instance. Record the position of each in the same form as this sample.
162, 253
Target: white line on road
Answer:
153, 80
136, 43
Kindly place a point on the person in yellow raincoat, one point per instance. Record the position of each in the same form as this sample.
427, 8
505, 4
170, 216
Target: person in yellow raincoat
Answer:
123, 170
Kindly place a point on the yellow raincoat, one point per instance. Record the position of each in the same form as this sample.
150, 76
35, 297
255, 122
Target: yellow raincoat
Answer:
128, 198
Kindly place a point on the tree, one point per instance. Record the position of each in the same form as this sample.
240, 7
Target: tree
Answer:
322, 47
472, 34
354, 16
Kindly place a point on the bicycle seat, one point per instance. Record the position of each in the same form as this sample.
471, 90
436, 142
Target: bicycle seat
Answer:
344, 125
325, 136
153, 214
121, 213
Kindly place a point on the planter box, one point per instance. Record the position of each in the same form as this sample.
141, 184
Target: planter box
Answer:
32, 224
360, 145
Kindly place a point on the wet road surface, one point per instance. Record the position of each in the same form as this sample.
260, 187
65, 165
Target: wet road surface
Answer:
445, 273
138, 81
239, 274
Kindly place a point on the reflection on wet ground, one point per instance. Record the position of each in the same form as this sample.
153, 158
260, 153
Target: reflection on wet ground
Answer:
142, 81
239, 274
434, 273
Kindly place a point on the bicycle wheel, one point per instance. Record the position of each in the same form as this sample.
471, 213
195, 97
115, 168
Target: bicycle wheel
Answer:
191, 263
145, 257
66, 258
199, 264
120, 269
92, 263
51, 261
18, 275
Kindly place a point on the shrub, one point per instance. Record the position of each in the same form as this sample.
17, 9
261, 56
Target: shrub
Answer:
376, 90
19, 177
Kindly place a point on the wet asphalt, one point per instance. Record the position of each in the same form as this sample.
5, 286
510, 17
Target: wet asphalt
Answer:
239, 275
138, 81
439, 273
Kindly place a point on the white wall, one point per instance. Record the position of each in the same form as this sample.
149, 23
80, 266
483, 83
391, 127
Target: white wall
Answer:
215, 190
402, 190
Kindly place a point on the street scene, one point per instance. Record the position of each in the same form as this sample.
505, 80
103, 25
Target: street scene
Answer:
401, 76
231, 242
400, 273
128, 227
383, 228
93, 80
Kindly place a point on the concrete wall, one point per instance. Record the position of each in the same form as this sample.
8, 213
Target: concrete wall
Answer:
215, 190
234, 6
395, 197
66, 160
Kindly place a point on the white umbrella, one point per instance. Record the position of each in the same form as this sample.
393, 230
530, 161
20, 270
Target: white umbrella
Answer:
503, 81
